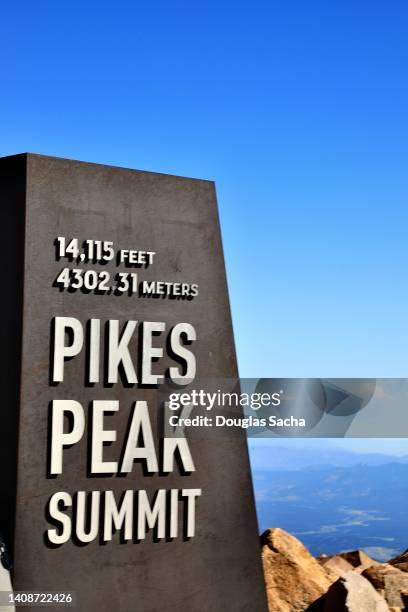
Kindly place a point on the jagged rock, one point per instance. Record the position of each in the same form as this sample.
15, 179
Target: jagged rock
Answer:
358, 559
322, 559
389, 581
353, 593
393, 591
401, 561
335, 564
293, 578
378, 573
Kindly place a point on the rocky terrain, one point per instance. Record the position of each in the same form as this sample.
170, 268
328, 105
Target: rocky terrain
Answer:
347, 582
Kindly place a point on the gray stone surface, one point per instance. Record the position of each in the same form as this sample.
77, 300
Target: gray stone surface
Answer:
353, 593
43, 198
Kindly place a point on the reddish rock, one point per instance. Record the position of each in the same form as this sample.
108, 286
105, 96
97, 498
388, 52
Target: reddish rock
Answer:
293, 578
358, 559
404, 597
401, 561
336, 564
390, 582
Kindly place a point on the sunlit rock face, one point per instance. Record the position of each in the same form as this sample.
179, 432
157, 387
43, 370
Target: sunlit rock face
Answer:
347, 582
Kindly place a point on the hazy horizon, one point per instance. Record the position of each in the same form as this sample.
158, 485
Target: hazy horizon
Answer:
334, 494
388, 446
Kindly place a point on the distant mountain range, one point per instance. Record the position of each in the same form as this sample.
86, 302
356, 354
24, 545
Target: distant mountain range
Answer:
337, 502
291, 458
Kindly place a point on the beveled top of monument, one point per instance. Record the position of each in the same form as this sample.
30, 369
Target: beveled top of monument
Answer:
28, 154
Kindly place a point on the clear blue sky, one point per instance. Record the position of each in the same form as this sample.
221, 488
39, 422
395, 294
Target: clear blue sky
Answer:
298, 110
